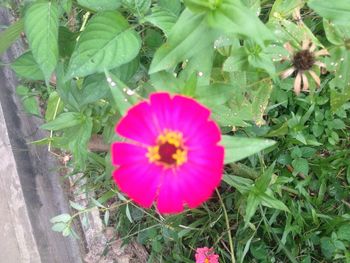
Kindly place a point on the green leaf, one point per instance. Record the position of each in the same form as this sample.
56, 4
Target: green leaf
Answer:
237, 62
22, 90
339, 62
284, 8
41, 27
199, 6
137, 7
95, 87
344, 232
106, 218
238, 148
162, 18
30, 105
54, 106
327, 247
272, 202
300, 165
173, 6
128, 214
66, 41
100, 5
243, 185
214, 94
76, 206
59, 227
336, 11
63, 121
25, 66
106, 43
336, 34
189, 31
253, 202
121, 98
61, 218
232, 16
8, 36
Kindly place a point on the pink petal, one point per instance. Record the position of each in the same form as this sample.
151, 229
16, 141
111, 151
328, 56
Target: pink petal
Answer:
170, 200
161, 106
201, 136
126, 153
188, 115
192, 183
139, 181
138, 124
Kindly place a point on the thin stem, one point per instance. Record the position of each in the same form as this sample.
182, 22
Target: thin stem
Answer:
228, 227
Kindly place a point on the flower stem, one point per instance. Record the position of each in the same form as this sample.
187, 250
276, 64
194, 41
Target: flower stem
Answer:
232, 252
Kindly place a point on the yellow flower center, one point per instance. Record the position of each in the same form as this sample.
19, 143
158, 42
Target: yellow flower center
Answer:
169, 150
206, 260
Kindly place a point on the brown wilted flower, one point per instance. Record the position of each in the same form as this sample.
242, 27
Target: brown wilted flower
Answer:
303, 60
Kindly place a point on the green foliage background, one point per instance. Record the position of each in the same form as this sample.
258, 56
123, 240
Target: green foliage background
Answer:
287, 175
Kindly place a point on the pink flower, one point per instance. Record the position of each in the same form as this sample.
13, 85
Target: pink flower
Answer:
171, 155
206, 255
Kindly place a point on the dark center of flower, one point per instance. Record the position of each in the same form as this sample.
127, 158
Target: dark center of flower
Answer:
303, 60
167, 152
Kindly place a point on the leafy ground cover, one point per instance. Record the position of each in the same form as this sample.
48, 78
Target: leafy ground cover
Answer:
276, 77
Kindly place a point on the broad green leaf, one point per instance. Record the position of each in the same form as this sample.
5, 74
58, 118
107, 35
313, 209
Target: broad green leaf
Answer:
238, 148
189, 31
127, 71
225, 116
10, 35
236, 62
232, 16
173, 6
201, 65
78, 139
25, 66
253, 202
61, 218
76, 206
344, 232
162, 18
54, 106
165, 81
214, 94
243, 185
137, 7
22, 90
41, 28
30, 105
59, 227
272, 202
285, 8
335, 11
63, 121
100, 5
339, 62
66, 41
199, 6
95, 87
260, 101
119, 93
336, 34
107, 42
300, 165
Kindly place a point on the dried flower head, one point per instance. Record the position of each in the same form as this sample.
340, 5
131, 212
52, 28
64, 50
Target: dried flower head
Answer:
303, 60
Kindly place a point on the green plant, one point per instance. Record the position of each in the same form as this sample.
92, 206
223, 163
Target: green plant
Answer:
90, 61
